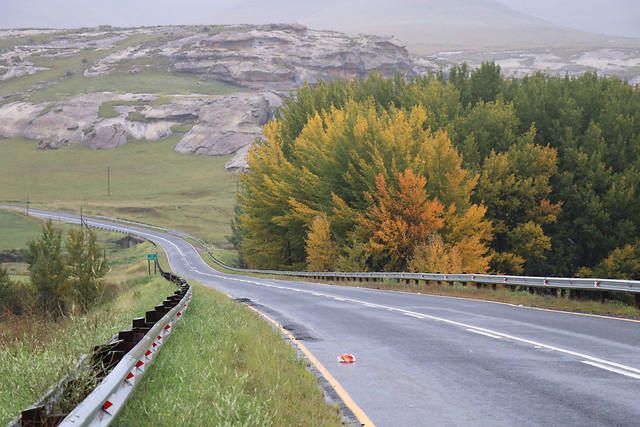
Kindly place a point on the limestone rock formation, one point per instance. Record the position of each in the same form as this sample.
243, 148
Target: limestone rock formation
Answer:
284, 56
17, 116
229, 123
64, 123
268, 60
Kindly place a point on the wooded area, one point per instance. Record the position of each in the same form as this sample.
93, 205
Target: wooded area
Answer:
475, 173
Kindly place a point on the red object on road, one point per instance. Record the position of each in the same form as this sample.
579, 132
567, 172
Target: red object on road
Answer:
347, 358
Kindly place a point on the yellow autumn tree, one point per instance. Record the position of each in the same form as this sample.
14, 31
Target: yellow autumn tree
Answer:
321, 252
460, 247
263, 202
377, 175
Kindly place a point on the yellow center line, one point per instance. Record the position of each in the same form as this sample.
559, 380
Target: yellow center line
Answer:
348, 401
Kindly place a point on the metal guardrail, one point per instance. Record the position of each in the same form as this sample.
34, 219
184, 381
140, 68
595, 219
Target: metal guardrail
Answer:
552, 283
126, 358
631, 286
103, 404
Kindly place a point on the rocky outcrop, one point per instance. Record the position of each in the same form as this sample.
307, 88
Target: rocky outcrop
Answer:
65, 122
106, 137
17, 116
179, 110
227, 124
284, 56
270, 60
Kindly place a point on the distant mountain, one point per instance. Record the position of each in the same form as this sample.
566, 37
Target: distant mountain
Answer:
426, 26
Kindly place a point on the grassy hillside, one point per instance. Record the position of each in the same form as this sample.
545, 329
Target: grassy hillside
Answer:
61, 76
150, 182
16, 230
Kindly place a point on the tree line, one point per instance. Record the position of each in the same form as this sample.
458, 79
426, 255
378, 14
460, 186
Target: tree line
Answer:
60, 282
471, 173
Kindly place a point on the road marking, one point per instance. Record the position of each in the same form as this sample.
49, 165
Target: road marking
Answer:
590, 360
366, 304
348, 401
611, 369
475, 331
489, 332
413, 315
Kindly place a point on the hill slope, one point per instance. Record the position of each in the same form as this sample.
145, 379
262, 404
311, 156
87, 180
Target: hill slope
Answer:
425, 26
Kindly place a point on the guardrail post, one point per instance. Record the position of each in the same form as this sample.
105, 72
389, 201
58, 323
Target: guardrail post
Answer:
638, 301
33, 417
603, 296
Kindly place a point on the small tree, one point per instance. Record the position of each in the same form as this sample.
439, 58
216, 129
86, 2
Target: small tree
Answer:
85, 266
622, 263
7, 291
47, 270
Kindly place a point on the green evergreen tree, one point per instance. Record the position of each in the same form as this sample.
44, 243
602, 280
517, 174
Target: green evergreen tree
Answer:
47, 270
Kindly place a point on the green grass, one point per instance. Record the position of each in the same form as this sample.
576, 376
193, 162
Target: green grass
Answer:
35, 352
242, 374
57, 69
149, 81
11, 42
69, 81
17, 229
225, 366
150, 182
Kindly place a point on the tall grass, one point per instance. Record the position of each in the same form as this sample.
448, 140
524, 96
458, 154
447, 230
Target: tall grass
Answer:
224, 366
36, 352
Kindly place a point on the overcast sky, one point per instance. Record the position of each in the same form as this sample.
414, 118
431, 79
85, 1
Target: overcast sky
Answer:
613, 17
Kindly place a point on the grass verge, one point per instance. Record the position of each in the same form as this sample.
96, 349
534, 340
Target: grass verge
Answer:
225, 366
36, 352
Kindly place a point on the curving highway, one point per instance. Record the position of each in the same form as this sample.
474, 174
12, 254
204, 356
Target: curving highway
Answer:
425, 360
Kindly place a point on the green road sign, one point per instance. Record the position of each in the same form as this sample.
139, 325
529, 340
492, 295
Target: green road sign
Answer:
152, 257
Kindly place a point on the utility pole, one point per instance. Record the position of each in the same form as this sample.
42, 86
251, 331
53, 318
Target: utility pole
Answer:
108, 181
27, 205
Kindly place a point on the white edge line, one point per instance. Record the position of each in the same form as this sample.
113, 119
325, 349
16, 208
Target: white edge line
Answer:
475, 331
594, 361
611, 369
413, 315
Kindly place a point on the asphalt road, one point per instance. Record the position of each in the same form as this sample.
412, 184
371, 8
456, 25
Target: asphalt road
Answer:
426, 360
